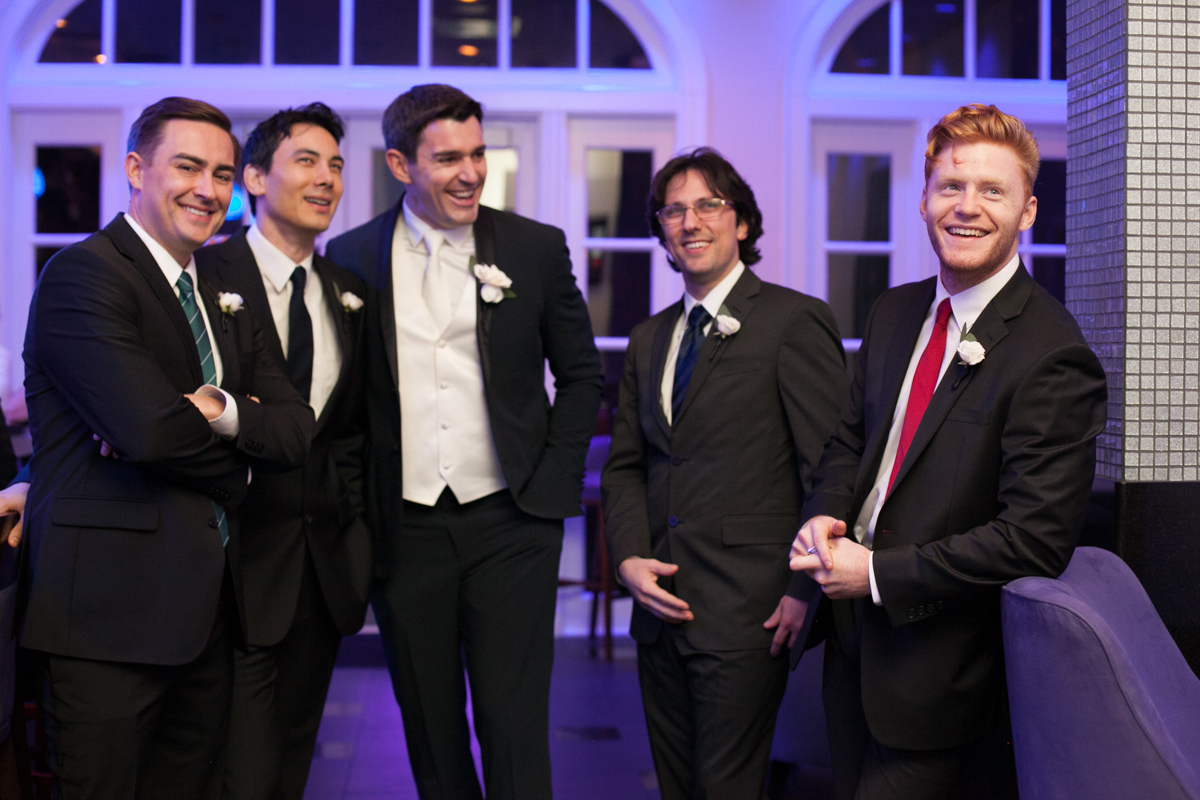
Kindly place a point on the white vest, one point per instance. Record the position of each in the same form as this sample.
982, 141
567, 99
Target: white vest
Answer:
446, 435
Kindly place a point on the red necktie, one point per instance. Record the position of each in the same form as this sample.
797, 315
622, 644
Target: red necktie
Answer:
923, 384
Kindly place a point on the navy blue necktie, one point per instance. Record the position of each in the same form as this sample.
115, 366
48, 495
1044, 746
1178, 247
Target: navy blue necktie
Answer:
300, 337
689, 348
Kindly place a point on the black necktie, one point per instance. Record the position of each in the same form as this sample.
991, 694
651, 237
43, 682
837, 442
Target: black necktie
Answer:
300, 337
689, 348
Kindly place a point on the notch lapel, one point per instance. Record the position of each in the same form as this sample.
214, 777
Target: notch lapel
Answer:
385, 305
341, 319
485, 253
658, 358
235, 253
224, 336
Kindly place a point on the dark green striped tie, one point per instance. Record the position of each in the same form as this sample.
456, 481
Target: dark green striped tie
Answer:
187, 298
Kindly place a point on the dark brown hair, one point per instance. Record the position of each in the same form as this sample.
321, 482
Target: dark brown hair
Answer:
146, 131
409, 114
266, 137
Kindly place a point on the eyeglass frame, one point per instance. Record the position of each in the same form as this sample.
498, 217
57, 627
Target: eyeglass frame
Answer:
708, 217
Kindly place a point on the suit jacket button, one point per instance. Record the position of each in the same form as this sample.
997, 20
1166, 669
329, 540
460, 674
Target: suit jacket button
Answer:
920, 611
911, 614
212, 522
672, 521
939, 605
308, 518
677, 460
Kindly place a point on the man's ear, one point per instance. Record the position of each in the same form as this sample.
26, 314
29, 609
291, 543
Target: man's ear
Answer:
398, 164
134, 170
924, 189
1029, 214
255, 180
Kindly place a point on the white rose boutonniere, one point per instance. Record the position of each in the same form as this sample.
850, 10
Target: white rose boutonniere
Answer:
230, 302
350, 302
727, 325
970, 351
493, 283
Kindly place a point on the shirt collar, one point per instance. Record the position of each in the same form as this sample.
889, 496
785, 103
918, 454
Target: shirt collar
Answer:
272, 261
417, 228
166, 262
713, 301
968, 304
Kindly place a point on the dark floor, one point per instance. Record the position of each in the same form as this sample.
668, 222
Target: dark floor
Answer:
598, 745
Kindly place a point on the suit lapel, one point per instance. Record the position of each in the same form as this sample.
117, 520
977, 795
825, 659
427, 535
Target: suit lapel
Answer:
385, 305
658, 358
236, 255
740, 303
333, 302
485, 253
132, 247
224, 335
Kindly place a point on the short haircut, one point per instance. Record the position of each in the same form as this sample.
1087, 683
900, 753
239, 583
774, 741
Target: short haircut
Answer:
410, 113
266, 137
725, 183
979, 123
146, 131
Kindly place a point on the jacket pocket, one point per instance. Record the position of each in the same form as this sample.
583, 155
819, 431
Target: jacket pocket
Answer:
759, 529
95, 512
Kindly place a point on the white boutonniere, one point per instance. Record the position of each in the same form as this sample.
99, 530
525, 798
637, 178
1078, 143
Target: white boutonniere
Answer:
727, 326
351, 302
493, 283
230, 302
970, 351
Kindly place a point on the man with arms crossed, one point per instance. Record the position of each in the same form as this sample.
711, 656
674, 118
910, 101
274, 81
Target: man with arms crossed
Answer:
135, 541
306, 549
963, 460
471, 470
727, 400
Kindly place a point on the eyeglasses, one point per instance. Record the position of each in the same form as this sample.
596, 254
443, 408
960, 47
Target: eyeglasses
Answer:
706, 210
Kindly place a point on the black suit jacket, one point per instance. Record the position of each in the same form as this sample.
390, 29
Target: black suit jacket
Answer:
993, 487
319, 505
541, 447
720, 492
127, 561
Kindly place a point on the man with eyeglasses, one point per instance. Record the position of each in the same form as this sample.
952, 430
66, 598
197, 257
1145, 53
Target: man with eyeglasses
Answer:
726, 402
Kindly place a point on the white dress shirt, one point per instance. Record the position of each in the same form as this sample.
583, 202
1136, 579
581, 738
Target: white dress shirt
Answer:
227, 423
445, 431
712, 303
965, 308
277, 268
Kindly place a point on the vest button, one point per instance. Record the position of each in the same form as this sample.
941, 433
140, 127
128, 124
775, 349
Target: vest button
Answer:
441, 342
672, 521
445, 384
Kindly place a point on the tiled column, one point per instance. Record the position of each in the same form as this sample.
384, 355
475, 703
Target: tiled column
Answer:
1133, 276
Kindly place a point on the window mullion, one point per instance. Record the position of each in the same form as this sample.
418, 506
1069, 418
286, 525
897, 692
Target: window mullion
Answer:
583, 40
1044, 15
504, 34
108, 31
970, 32
346, 33
268, 32
425, 33
896, 39
187, 33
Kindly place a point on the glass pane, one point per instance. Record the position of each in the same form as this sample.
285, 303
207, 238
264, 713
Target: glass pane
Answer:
618, 185
1058, 40
543, 33
866, 51
148, 31
1006, 39
306, 31
385, 32
1051, 273
859, 197
385, 189
228, 31
464, 33
76, 39
855, 283
41, 256
613, 45
933, 37
618, 291
1050, 225
500, 188
69, 182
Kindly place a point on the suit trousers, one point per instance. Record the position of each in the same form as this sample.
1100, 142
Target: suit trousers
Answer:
710, 715
478, 580
866, 769
278, 700
122, 731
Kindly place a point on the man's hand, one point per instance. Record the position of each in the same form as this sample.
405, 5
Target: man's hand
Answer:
12, 501
640, 576
850, 575
210, 407
106, 449
812, 548
787, 621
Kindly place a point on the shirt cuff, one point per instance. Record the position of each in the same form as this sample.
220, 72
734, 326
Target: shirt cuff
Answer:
871, 574
227, 423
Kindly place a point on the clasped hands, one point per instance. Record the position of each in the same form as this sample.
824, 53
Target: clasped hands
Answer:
832, 559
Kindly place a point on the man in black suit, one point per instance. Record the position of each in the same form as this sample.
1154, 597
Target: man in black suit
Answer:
306, 549
134, 542
928, 500
727, 399
471, 469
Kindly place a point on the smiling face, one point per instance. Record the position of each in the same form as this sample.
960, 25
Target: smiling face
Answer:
182, 188
297, 198
445, 180
975, 205
703, 251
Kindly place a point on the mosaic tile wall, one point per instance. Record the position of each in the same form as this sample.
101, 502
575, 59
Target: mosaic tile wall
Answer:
1133, 231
